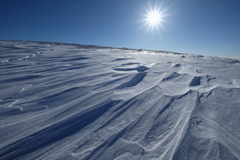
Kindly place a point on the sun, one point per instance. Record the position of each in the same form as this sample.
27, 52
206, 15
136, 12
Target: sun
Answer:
154, 18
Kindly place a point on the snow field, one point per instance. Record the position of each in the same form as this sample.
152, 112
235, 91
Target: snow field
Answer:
69, 101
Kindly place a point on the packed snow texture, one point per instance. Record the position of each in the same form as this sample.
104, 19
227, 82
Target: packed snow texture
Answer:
83, 102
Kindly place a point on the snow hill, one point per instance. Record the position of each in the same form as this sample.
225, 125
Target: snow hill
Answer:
84, 102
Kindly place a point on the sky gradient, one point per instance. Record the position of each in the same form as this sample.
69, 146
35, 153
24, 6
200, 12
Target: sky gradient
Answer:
190, 26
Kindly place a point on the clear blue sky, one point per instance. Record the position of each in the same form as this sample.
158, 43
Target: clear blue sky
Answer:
207, 27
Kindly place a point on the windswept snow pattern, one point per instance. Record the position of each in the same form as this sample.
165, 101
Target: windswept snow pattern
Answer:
79, 102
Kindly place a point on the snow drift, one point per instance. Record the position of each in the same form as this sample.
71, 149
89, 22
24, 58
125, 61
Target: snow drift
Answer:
69, 101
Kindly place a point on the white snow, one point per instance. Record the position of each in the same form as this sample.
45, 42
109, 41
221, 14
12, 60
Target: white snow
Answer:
70, 101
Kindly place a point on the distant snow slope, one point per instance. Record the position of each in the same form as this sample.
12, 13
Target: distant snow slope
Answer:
68, 101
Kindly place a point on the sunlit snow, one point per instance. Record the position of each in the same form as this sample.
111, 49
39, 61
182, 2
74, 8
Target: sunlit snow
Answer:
70, 101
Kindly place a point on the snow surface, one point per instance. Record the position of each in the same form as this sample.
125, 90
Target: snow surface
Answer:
69, 101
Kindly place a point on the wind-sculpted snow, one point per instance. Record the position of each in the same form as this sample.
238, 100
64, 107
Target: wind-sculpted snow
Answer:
69, 101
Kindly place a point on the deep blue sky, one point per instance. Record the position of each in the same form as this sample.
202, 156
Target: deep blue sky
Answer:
207, 27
